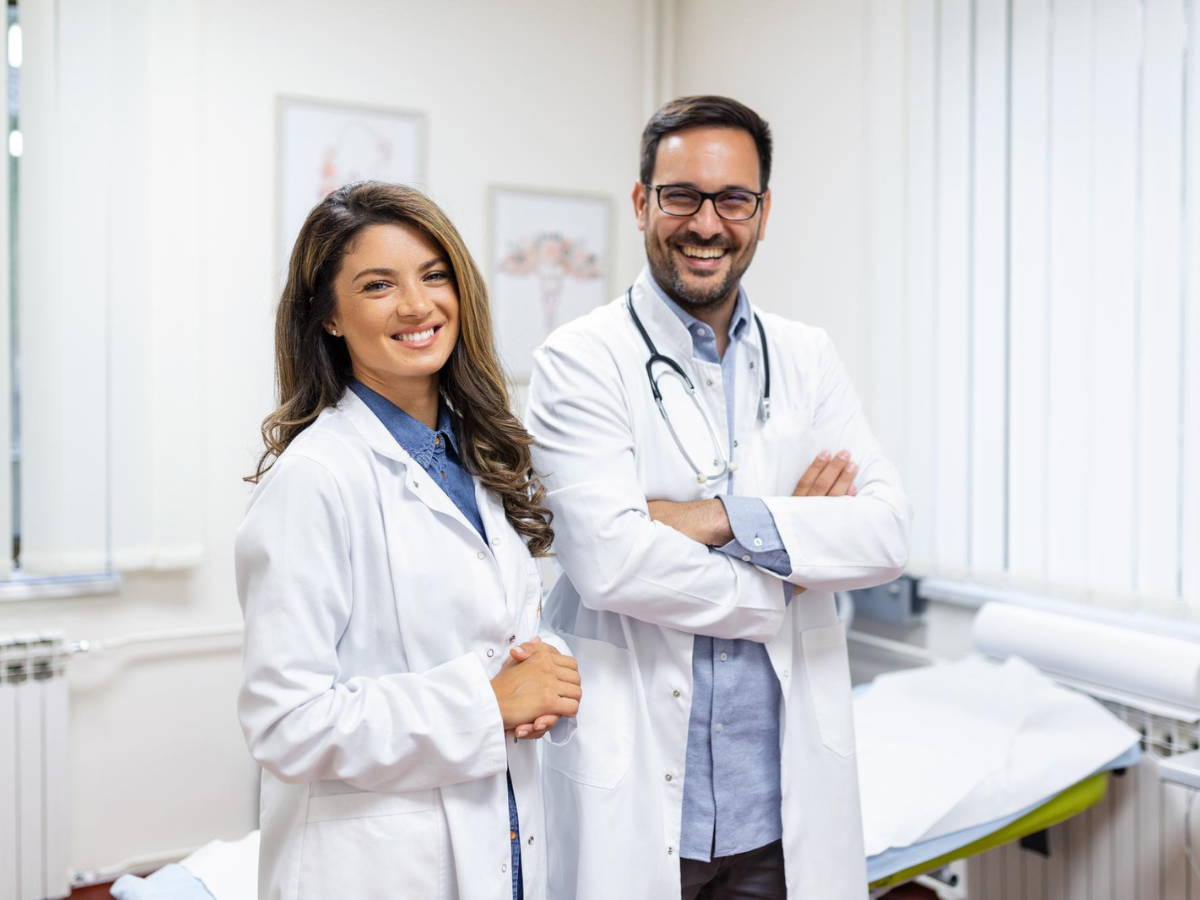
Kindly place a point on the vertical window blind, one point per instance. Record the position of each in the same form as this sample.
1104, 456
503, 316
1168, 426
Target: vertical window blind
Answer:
107, 295
1033, 209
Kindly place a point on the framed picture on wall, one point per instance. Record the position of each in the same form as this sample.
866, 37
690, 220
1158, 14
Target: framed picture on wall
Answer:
551, 261
322, 146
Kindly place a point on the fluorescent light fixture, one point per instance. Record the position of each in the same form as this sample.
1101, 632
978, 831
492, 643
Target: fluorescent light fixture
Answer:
16, 143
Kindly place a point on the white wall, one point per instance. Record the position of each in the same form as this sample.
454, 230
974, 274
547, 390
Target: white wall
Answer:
800, 66
521, 92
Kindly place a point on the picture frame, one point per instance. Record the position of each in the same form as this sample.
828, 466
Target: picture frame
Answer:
322, 145
550, 261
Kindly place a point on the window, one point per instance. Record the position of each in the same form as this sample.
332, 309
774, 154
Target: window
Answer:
1035, 169
101, 340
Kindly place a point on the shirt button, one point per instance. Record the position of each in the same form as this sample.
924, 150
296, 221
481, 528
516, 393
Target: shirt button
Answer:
746, 557
674, 693
735, 443
670, 850
481, 554
511, 638
724, 656
787, 673
758, 542
491, 653
720, 727
752, 364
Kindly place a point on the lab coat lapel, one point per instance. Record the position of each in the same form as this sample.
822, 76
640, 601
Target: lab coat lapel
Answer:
666, 329
416, 480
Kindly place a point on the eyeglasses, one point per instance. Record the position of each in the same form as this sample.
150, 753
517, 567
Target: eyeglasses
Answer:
733, 206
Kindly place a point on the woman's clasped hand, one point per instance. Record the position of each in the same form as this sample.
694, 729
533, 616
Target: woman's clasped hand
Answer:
535, 688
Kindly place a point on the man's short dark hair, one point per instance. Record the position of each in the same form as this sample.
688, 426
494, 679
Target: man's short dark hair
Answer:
705, 112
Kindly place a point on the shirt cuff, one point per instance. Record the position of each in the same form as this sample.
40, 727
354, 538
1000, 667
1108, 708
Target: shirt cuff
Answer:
756, 540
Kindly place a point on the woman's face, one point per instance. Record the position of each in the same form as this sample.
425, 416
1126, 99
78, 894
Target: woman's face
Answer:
397, 308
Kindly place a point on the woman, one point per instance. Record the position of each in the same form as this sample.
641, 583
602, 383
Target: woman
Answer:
386, 568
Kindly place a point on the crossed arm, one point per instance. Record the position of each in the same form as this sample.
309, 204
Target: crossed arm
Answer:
706, 521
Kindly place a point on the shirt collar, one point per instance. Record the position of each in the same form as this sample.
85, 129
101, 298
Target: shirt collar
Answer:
701, 334
418, 440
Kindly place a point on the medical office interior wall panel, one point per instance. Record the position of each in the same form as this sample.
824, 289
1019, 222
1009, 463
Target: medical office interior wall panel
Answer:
801, 66
158, 764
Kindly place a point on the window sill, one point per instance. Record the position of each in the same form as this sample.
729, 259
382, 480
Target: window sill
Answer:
19, 586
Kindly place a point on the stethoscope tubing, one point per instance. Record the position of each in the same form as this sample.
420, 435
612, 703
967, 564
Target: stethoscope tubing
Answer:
659, 358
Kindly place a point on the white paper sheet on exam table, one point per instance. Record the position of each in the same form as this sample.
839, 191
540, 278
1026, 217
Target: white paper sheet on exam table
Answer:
951, 746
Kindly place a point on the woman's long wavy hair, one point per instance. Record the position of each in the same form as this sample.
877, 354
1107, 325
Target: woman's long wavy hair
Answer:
312, 368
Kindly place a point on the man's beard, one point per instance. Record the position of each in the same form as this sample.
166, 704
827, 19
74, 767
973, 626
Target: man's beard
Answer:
665, 269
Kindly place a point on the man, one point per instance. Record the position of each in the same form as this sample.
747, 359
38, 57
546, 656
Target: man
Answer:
714, 754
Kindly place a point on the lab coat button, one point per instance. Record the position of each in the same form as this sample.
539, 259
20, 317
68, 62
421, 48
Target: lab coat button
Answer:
495, 542
491, 653
708, 381
503, 867
670, 850
787, 673
531, 839
511, 638
481, 555
668, 776
674, 693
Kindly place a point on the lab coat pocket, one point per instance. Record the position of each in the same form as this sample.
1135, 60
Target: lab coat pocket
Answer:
371, 845
827, 666
601, 750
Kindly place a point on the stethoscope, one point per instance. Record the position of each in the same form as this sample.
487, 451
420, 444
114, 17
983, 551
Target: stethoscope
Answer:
675, 370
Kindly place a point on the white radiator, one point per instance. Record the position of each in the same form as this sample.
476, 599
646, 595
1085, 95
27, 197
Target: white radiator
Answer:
1130, 847
33, 768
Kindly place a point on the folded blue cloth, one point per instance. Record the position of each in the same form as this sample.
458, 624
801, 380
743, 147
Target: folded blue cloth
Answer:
172, 882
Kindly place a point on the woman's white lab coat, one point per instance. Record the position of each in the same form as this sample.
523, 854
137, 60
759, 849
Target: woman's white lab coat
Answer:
638, 591
376, 617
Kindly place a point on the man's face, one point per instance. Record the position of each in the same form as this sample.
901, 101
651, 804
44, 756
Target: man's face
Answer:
699, 259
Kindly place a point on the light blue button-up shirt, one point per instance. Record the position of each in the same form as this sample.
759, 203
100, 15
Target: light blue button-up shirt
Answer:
731, 791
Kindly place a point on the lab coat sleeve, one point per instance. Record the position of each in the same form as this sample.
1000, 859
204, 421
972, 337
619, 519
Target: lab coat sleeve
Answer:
616, 556
845, 543
302, 722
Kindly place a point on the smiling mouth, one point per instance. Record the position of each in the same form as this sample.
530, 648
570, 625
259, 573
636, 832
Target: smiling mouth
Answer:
417, 337
693, 252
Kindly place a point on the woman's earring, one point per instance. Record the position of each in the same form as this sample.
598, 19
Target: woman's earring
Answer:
333, 331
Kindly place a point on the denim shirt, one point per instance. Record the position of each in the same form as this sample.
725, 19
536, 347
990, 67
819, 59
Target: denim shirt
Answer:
731, 792
436, 451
